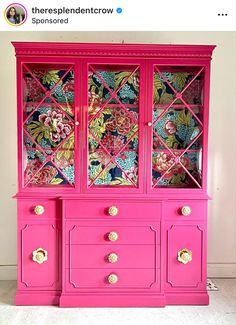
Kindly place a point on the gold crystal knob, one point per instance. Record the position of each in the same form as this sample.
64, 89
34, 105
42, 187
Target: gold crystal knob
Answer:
112, 278
39, 209
186, 211
185, 256
112, 258
40, 255
113, 211
113, 236
149, 123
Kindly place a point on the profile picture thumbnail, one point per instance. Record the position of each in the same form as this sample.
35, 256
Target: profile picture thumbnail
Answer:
15, 14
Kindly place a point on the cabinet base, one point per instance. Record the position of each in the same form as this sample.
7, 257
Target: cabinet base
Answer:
187, 298
37, 298
100, 300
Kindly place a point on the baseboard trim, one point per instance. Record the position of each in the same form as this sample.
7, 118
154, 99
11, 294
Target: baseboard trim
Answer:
215, 270
221, 270
8, 272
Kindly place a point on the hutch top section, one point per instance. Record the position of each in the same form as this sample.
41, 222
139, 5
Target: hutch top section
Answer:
128, 117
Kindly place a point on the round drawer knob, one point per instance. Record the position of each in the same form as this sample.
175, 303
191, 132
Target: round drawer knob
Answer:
113, 236
40, 255
186, 211
77, 123
149, 123
185, 256
112, 258
112, 278
113, 211
39, 209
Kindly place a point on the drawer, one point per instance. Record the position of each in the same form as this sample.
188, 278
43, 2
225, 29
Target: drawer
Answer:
119, 256
38, 208
126, 279
118, 234
101, 209
185, 209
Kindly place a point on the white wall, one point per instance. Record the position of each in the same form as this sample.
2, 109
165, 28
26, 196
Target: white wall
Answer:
222, 148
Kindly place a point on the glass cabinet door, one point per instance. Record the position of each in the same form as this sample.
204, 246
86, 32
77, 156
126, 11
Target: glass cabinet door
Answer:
113, 126
177, 127
48, 125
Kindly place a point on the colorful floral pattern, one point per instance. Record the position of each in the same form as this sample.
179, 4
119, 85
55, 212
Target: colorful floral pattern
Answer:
175, 174
99, 93
177, 129
164, 94
39, 81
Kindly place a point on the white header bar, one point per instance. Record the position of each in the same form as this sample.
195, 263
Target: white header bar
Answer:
118, 15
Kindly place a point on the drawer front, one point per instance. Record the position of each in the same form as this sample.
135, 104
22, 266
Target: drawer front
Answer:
38, 209
100, 256
84, 233
126, 279
185, 210
100, 209
39, 256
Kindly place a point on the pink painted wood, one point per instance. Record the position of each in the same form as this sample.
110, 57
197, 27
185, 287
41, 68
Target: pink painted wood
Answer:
150, 226
129, 256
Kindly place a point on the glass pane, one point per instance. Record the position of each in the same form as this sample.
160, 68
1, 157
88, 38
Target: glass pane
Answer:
48, 126
177, 128
167, 173
113, 87
113, 126
169, 81
48, 175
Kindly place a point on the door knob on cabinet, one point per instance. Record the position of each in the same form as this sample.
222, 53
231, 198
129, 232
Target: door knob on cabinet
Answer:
113, 211
77, 123
149, 124
113, 236
185, 256
40, 255
112, 258
186, 211
112, 278
39, 209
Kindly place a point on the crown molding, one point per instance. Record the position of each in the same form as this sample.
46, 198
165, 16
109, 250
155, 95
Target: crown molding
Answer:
51, 49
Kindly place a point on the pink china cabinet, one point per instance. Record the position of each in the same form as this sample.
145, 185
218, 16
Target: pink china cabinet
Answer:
112, 165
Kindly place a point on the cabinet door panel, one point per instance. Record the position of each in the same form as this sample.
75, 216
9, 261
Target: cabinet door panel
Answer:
114, 114
185, 243
177, 126
48, 125
34, 275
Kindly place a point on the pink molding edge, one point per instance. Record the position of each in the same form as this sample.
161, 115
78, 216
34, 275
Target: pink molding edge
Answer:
112, 49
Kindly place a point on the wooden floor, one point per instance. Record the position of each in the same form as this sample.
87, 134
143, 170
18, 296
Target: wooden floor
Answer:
221, 311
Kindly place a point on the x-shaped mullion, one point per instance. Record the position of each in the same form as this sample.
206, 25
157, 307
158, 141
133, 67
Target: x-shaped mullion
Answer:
164, 112
163, 175
47, 93
163, 143
177, 156
113, 157
43, 150
114, 94
175, 92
